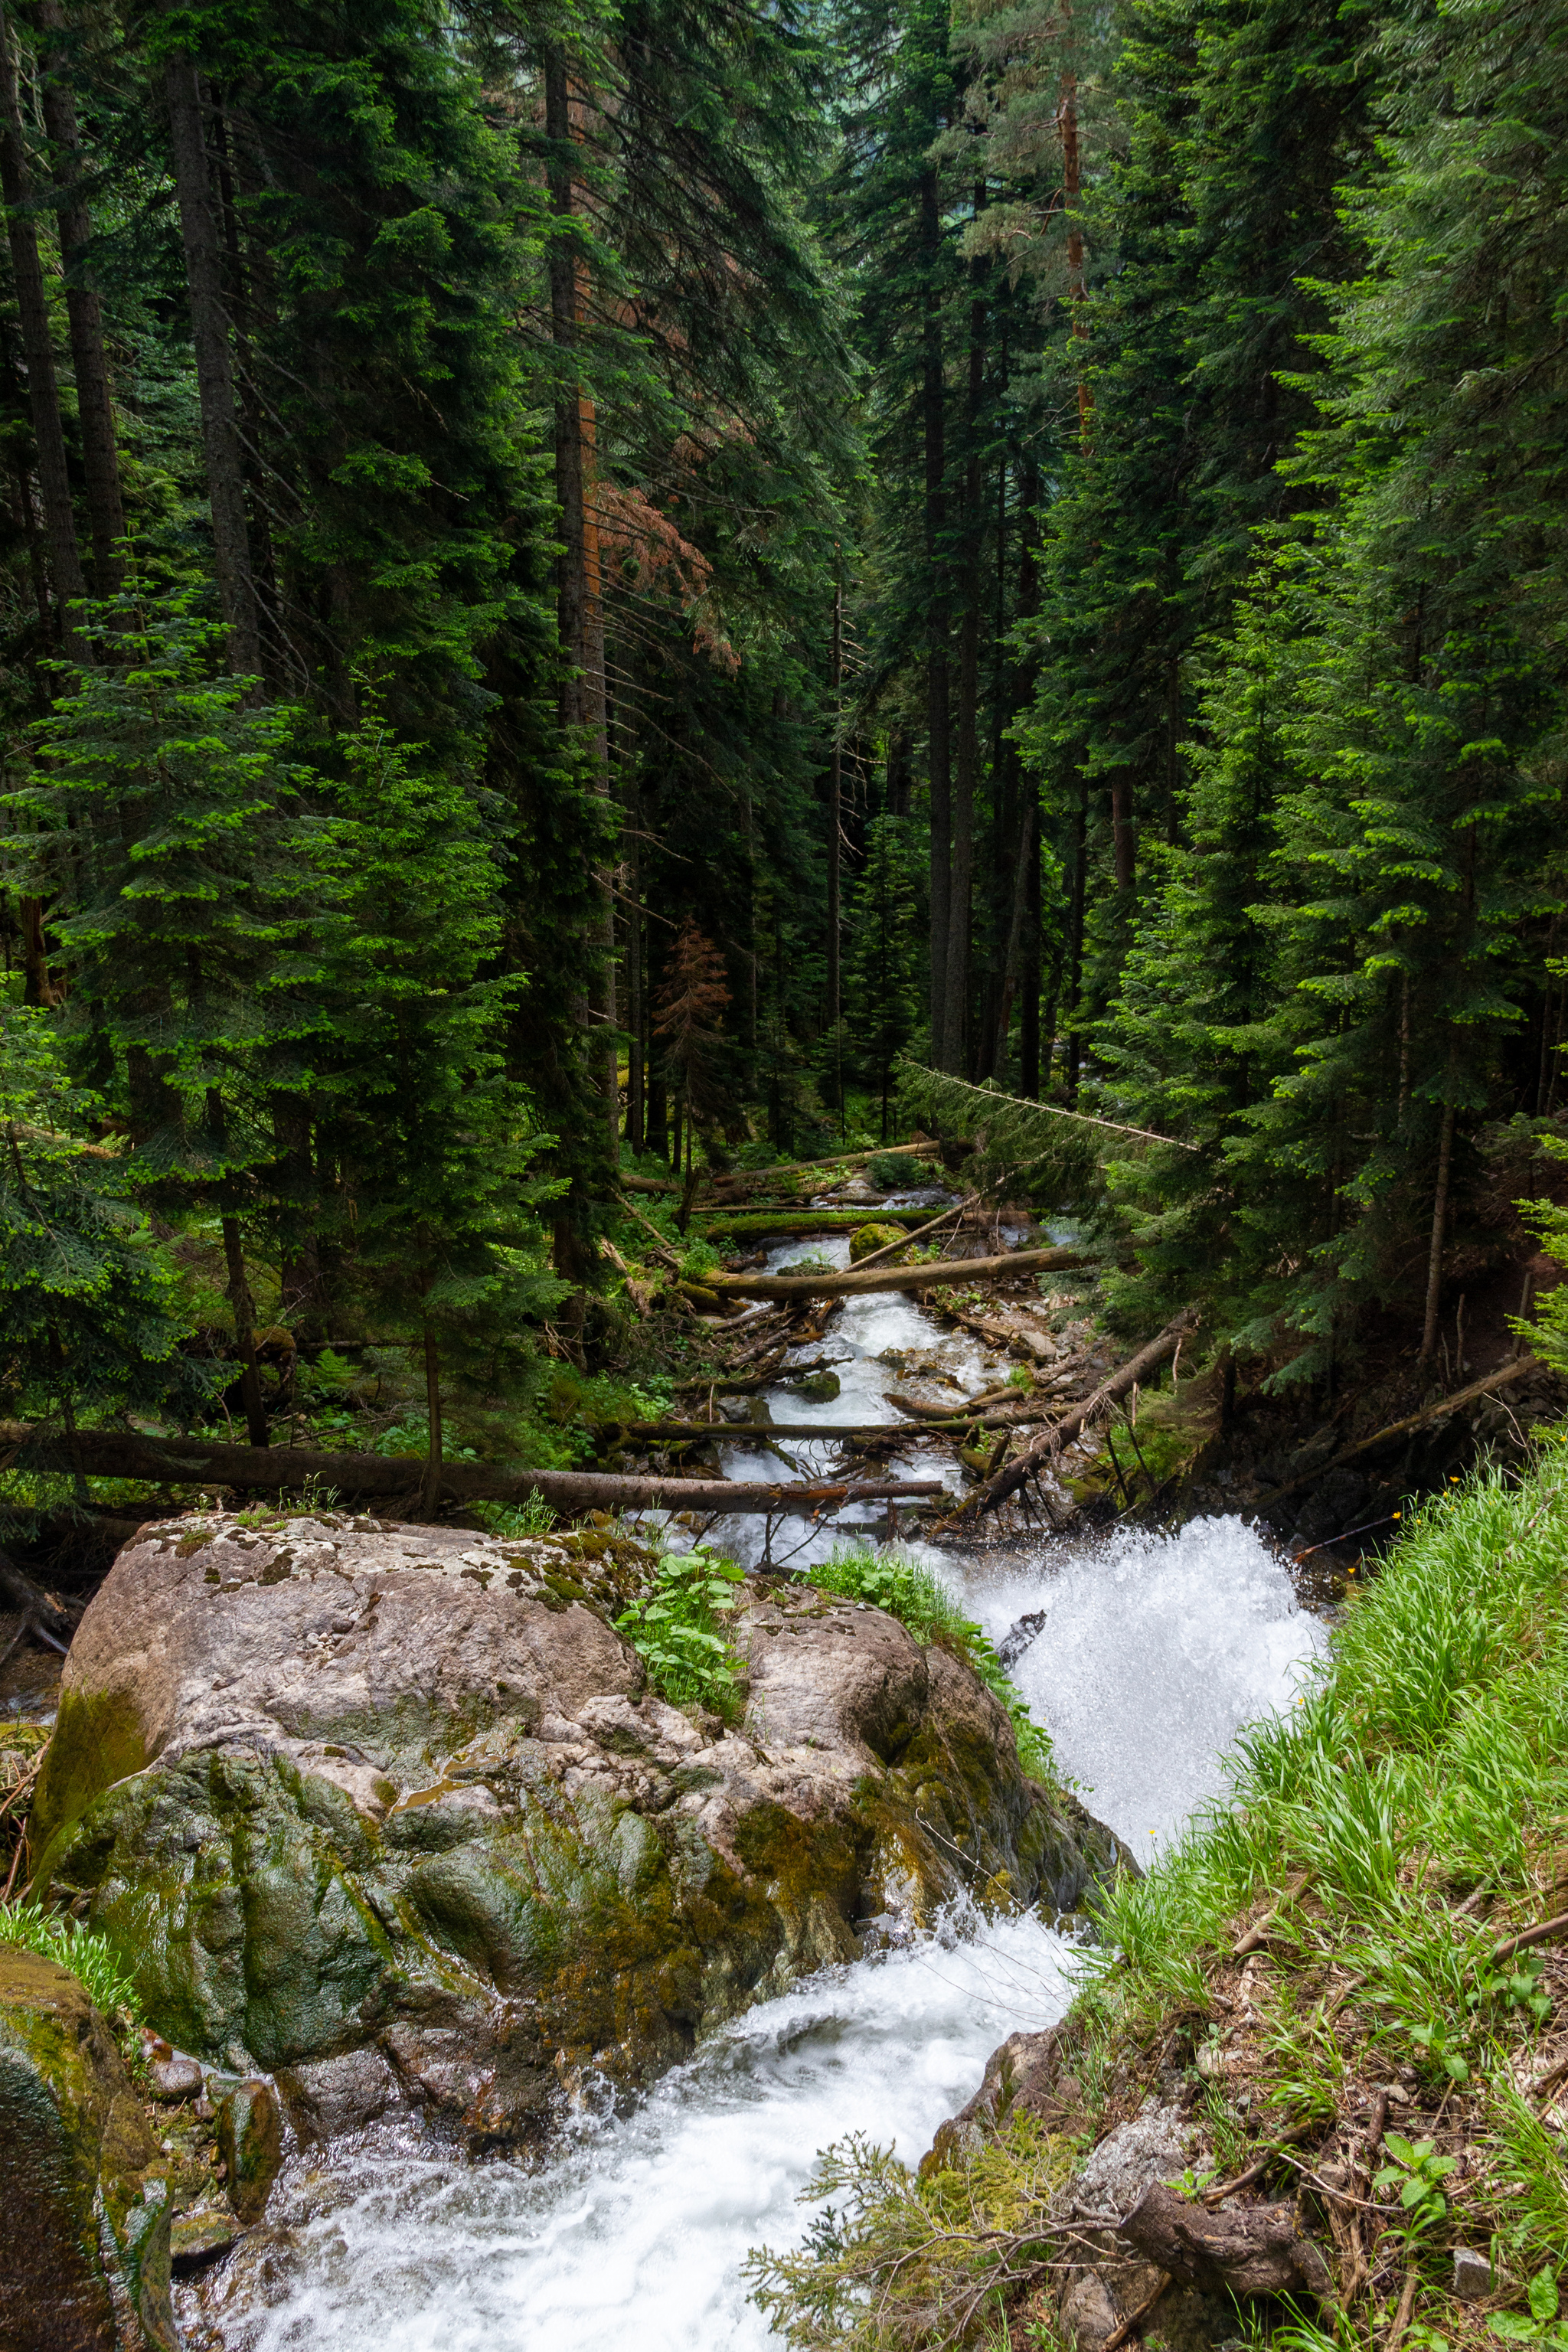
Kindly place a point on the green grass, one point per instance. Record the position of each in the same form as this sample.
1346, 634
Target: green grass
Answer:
91, 1958
1408, 1817
898, 1582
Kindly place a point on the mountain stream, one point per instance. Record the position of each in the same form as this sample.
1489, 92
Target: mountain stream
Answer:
1154, 1650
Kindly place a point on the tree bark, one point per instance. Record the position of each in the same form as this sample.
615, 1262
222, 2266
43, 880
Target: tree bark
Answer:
580, 598
961, 911
1435, 1252
37, 344
433, 1453
1123, 837
835, 832
95, 407
858, 1283
37, 986
933, 405
221, 443
1074, 991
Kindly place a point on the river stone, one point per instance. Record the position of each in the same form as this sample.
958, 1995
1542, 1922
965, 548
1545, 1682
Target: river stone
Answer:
84, 2257
250, 2143
345, 1791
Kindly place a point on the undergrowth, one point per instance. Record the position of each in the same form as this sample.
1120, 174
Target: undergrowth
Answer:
900, 1583
1387, 1841
677, 1628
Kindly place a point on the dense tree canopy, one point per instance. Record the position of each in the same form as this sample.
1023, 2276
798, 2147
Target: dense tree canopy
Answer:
593, 587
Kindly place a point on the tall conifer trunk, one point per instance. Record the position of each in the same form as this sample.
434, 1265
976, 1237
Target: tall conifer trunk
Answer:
580, 603
933, 407
961, 910
214, 369
834, 839
95, 407
37, 343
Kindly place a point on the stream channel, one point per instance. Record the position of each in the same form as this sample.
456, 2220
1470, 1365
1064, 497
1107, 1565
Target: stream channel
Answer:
1155, 1650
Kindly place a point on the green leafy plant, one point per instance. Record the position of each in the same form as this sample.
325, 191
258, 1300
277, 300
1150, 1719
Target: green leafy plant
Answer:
1543, 2326
1516, 1986
1436, 2045
1416, 2171
89, 1956
677, 1630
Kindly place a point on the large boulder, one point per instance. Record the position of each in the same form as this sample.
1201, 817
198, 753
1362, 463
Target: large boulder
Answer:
389, 1811
84, 2255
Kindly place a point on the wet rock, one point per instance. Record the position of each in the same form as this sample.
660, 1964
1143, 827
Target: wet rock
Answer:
388, 1812
201, 2236
250, 2145
175, 2077
84, 2256
819, 1388
337, 2095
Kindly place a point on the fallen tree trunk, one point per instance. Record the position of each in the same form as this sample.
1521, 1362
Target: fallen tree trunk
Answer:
1051, 1441
117, 1454
859, 1282
1517, 1370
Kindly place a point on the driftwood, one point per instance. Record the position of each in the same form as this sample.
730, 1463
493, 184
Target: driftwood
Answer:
859, 1282
1011, 1476
1256, 2250
115, 1454
1518, 1370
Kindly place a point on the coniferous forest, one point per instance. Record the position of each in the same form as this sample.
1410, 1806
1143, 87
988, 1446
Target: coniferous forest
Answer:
610, 596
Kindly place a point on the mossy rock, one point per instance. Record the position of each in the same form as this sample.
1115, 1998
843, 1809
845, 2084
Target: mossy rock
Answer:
84, 2259
866, 1239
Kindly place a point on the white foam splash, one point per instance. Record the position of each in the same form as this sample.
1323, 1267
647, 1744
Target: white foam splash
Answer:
1155, 1651
634, 2240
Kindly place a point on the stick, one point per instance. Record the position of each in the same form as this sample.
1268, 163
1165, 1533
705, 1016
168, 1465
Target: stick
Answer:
903, 1277
876, 1258
1119, 2334
992, 1097
1538, 1935
1222, 2188
1062, 1432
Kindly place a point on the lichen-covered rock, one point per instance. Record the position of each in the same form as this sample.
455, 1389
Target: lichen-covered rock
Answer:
361, 1796
84, 2253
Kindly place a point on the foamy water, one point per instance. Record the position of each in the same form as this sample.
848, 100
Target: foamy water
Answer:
1156, 1650
635, 2239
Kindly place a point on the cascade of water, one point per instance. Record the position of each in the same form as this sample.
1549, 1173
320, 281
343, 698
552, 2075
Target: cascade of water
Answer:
1154, 1652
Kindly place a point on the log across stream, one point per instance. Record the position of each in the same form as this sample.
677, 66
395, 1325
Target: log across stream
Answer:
1152, 1651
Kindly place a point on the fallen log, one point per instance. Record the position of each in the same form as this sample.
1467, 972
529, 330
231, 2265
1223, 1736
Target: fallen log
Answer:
1518, 1370
1050, 1442
859, 1282
121, 1453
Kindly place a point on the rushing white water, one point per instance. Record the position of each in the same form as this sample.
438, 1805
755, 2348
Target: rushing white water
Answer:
633, 2238
1154, 1650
